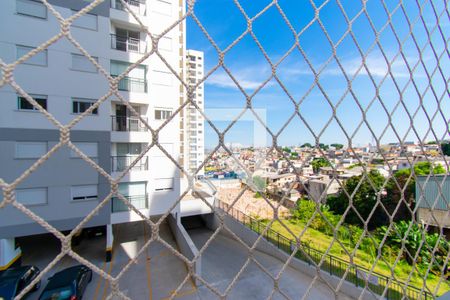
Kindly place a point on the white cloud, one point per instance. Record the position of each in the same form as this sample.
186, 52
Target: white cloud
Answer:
248, 78
377, 67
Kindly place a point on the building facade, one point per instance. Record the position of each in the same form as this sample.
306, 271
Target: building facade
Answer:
65, 83
433, 201
194, 130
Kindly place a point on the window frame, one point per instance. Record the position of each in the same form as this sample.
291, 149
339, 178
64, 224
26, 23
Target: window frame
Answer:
36, 98
16, 156
95, 112
83, 198
86, 14
164, 189
162, 111
27, 62
33, 16
34, 188
72, 55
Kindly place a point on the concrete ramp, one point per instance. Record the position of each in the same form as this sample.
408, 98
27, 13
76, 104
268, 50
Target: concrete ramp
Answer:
194, 205
224, 258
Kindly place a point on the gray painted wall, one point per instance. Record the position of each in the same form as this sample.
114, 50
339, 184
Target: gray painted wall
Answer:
58, 174
185, 244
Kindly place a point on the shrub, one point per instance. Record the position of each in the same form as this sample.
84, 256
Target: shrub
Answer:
434, 251
306, 210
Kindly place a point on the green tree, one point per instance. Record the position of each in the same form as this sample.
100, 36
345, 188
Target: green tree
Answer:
364, 198
286, 149
305, 210
402, 186
294, 154
445, 147
307, 145
323, 146
337, 146
318, 163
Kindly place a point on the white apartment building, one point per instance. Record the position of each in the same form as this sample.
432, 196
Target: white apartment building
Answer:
66, 83
194, 130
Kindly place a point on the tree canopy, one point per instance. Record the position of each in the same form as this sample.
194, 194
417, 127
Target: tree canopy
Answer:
402, 188
286, 149
445, 147
337, 146
365, 196
318, 163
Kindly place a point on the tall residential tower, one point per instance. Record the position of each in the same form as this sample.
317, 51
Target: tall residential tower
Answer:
194, 132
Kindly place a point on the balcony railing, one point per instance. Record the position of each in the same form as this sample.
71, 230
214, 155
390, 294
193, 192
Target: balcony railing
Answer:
122, 123
120, 163
127, 44
140, 202
137, 6
130, 84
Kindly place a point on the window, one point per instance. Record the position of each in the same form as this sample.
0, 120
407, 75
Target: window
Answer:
89, 149
162, 78
39, 59
31, 8
135, 81
125, 149
82, 63
23, 104
81, 105
84, 192
163, 7
165, 43
86, 21
32, 196
133, 189
162, 114
163, 184
30, 149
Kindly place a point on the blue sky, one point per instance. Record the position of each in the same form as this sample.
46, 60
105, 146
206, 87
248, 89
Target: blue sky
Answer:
225, 23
